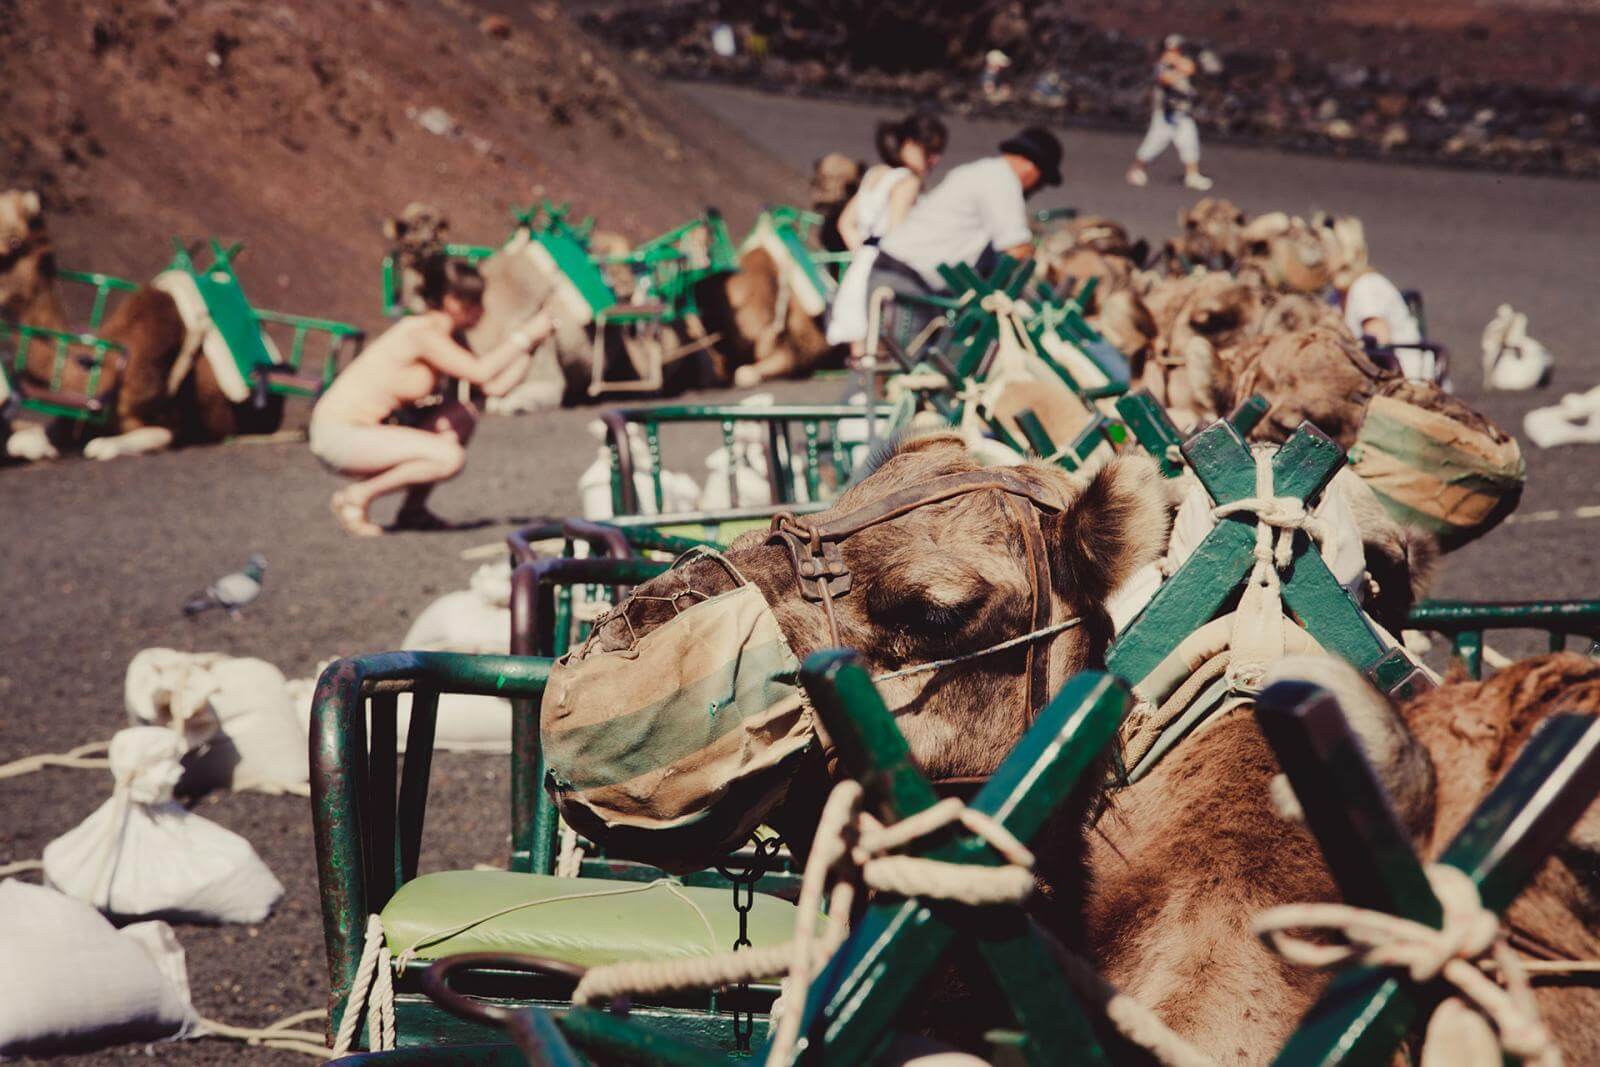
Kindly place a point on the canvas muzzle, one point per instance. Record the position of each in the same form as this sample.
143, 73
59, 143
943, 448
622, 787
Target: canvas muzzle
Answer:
675, 746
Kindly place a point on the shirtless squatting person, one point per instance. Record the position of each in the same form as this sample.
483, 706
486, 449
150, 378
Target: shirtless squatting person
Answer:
348, 428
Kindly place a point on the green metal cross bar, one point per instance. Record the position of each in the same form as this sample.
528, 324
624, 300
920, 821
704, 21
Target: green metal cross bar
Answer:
1221, 563
854, 1003
1365, 1012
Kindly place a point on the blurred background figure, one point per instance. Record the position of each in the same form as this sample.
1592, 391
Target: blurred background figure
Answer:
1171, 119
995, 80
723, 41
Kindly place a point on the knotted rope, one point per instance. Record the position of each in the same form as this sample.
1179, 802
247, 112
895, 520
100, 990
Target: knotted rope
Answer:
851, 850
1257, 637
1468, 941
81, 758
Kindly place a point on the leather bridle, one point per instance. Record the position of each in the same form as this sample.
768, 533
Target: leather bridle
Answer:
813, 545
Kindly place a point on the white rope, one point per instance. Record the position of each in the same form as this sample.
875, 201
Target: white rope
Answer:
278, 1035
371, 993
1468, 940
77, 758
851, 849
21, 866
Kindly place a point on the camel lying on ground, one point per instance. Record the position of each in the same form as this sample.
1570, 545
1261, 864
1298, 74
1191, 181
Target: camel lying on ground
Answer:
151, 411
1282, 251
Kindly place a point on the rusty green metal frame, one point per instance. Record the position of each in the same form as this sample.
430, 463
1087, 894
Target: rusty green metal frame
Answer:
368, 816
1365, 1013
776, 419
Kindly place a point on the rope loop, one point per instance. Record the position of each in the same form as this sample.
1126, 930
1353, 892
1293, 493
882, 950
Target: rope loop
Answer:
1468, 943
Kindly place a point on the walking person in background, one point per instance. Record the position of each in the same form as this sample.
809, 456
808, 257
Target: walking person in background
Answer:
1172, 121
977, 211
371, 424
910, 149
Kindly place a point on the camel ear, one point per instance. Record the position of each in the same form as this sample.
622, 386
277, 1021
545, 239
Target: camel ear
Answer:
30, 203
393, 229
1117, 524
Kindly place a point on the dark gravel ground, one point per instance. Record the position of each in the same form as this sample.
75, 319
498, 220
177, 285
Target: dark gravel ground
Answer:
103, 554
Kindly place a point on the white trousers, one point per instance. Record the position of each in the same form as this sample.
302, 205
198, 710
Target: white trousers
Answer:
1179, 130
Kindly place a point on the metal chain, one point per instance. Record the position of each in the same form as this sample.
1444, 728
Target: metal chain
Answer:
744, 900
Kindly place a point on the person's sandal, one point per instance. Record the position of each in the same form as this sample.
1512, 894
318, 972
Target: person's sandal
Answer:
352, 518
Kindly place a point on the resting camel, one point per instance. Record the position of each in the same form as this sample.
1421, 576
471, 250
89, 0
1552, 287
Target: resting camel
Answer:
1090, 247
953, 577
1174, 934
151, 411
1282, 251
761, 333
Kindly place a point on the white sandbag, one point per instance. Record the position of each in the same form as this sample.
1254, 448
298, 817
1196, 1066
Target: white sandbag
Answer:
680, 492
461, 621
72, 982
1512, 359
234, 711
142, 854
1574, 421
737, 477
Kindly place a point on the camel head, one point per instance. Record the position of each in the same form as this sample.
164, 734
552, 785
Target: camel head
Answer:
835, 178
935, 582
1220, 312
1208, 233
1286, 252
1318, 374
24, 242
419, 231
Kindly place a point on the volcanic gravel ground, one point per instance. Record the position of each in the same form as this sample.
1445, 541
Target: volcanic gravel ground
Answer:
101, 555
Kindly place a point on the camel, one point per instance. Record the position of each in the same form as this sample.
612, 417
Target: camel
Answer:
762, 333
1174, 934
1091, 247
415, 235
1284, 252
150, 412
952, 577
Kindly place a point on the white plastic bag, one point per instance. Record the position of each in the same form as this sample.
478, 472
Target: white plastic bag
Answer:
236, 711
142, 854
72, 982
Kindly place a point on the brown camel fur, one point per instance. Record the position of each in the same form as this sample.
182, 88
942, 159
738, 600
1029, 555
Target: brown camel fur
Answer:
1474, 731
1185, 857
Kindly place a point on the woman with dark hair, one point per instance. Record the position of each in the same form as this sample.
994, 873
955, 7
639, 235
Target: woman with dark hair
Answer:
910, 149
390, 379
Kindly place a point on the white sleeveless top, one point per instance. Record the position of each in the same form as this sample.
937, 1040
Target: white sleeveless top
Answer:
847, 318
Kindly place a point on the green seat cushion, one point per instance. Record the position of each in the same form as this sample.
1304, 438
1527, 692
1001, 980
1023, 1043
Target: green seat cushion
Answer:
595, 921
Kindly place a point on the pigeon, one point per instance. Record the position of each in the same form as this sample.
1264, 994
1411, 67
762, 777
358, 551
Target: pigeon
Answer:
231, 591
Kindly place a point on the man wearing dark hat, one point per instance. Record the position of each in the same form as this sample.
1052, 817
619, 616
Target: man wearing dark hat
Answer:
978, 210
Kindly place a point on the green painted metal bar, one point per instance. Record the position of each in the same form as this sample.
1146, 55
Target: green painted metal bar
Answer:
1368, 852
1248, 415
852, 1006
615, 1040
1153, 429
1364, 1013
414, 775
1038, 437
383, 853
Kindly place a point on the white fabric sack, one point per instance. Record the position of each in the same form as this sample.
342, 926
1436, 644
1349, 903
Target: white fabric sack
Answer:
142, 854
236, 711
681, 492
73, 982
1512, 359
466, 722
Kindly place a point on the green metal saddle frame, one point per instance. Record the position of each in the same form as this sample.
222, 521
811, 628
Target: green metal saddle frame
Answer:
243, 328
94, 405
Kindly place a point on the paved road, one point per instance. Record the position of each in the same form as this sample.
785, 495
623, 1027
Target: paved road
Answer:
101, 555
